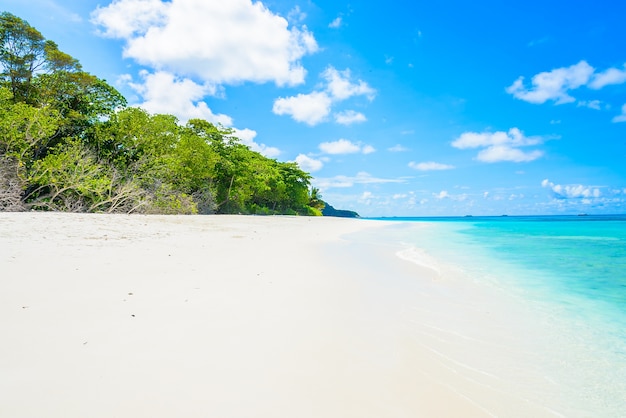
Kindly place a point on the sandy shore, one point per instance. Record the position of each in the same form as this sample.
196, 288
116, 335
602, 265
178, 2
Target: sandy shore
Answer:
233, 316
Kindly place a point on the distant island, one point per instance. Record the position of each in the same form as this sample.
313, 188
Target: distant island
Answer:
331, 211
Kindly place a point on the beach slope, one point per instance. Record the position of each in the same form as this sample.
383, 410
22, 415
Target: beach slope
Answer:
225, 316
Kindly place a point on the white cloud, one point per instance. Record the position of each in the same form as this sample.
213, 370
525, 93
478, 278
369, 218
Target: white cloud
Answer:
313, 108
349, 117
341, 146
127, 18
349, 181
514, 137
608, 77
622, 116
572, 191
219, 42
309, 164
344, 146
430, 166
591, 104
335, 23
553, 85
445, 195
162, 92
398, 148
341, 87
366, 197
296, 15
310, 108
498, 153
500, 146
368, 149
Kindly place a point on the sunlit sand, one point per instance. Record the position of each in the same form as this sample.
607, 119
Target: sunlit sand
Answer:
234, 316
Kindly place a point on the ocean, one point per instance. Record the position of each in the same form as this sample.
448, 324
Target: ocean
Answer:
570, 270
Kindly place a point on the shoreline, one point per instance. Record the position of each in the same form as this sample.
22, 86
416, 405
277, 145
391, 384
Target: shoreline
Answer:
247, 316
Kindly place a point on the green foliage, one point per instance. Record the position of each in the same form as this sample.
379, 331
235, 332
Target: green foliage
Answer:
315, 200
71, 178
26, 132
68, 141
22, 52
311, 211
166, 200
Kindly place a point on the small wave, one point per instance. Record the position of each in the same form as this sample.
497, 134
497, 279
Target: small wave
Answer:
421, 258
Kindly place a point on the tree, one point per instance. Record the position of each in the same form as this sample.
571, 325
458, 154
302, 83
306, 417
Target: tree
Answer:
22, 53
10, 186
72, 179
25, 132
68, 141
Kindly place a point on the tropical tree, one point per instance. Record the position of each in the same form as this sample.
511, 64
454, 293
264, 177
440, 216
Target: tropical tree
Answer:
68, 141
22, 54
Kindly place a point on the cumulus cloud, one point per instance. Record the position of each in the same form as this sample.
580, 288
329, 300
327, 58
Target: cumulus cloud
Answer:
368, 149
309, 164
622, 116
340, 86
366, 197
445, 195
163, 92
398, 148
349, 181
556, 85
126, 19
500, 146
552, 85
571, 191
313, 108
220, 42
296, 15
591, 104
430, 166
344, 146
608, 77
335, 23
310, 108
349, 117
341, 146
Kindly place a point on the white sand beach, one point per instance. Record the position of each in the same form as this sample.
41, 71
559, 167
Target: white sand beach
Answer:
235, 316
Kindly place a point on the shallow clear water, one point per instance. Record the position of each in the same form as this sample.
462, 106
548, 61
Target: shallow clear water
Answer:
571, 269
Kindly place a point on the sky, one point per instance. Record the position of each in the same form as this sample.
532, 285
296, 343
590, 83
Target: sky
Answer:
402, 108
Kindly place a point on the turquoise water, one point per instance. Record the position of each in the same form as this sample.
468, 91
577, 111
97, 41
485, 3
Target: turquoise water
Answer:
570, 268
581, 257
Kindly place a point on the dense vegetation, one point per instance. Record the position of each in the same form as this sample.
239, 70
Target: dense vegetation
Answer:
69, 142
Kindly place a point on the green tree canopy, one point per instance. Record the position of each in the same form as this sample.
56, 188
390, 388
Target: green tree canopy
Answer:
68, 141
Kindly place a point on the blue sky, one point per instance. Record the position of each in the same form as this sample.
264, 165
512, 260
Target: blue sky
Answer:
407, 108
